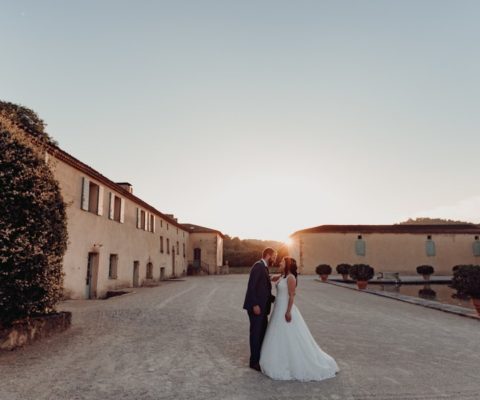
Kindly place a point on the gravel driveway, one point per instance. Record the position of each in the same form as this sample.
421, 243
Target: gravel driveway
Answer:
189, 340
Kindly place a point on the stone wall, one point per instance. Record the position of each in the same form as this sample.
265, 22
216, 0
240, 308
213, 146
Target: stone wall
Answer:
24, 332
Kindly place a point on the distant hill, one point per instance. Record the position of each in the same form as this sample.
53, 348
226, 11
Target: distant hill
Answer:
243, 253
433, 221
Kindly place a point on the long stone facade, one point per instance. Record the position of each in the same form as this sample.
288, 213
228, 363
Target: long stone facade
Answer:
117, 240
395, 248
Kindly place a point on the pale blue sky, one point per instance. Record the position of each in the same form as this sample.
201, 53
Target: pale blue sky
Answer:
278, 115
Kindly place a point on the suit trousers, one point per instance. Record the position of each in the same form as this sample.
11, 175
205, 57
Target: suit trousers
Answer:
258, 327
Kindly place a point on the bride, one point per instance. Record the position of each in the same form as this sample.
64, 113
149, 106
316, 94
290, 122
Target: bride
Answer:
289, 351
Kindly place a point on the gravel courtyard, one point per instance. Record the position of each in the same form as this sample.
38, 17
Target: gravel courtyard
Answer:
189, 340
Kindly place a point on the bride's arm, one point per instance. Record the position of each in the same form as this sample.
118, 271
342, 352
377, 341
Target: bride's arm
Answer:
292, 286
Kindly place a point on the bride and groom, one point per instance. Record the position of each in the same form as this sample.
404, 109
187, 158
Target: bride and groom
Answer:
282, 348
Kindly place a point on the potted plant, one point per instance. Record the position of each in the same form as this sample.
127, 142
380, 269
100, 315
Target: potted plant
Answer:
343, 270
426, 271
324, 270
361, 273
466, 279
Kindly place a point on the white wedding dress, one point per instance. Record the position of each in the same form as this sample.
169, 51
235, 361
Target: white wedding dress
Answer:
289, 351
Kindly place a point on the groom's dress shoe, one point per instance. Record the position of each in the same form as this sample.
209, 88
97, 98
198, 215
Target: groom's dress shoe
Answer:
256, 367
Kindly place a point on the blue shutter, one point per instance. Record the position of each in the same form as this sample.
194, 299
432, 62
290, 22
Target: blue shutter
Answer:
430, 248
476, 248
360, 247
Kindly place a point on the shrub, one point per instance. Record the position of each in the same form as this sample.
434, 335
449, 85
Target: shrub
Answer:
425, 270
361, 272
33, 231
343, 269
466, 280
323, 269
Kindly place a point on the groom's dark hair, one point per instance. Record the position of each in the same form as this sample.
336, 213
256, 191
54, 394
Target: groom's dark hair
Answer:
268, 252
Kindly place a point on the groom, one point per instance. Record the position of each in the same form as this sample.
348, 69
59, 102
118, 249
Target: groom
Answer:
258, 302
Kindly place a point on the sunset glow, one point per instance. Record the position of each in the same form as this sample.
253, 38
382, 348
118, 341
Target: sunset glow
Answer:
255, 126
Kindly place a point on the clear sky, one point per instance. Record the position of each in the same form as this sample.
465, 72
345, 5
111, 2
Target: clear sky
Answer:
260, 118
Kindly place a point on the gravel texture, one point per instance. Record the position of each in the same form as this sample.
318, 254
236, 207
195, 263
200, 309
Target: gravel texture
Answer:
189, 340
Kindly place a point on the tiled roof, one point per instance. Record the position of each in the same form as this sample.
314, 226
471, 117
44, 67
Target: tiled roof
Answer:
201, 229
62, 155
398, 228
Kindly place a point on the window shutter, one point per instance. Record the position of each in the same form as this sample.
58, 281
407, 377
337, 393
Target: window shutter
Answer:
476, 248
122, 210
112, 206
147, 220
153, 223
100, 200
138, 218
430, 248
360, 247
85, 193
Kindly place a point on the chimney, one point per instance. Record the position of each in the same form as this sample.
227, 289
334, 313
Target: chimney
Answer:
127, 186
172, 217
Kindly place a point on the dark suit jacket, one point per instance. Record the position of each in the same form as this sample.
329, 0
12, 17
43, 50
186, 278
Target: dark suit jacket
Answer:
259, 290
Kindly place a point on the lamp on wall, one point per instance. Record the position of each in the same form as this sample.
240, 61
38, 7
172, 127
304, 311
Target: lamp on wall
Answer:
97, 246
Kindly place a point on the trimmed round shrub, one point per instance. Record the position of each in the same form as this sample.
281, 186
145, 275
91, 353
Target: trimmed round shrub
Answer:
33, 230
323, 269
425, 270
343, 269
466, 280
361, 272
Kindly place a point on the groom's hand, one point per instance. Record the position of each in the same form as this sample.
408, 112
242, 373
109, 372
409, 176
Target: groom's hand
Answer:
257, 310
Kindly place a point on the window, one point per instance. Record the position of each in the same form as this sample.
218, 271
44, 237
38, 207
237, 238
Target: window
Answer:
141, 219
168, 246
161, 223
167, 227
149, 270
92, 197
177, 231
151, 225
430, 247
112, 267
476, 247
184, 254
360, 246
178, 250
161, 244
117, 208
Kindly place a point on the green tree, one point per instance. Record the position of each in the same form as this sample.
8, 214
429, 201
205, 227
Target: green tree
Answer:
33, 230
244, 253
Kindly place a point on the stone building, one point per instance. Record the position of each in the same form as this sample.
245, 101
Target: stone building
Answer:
394, 248
206, 246
116, 239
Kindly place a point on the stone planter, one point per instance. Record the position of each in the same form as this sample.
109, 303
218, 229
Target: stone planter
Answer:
24, 331
362, 284
345, 277
426, 277
476, 304
324, 277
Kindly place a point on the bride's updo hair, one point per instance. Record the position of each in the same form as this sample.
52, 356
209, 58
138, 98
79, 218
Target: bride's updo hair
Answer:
290, 267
